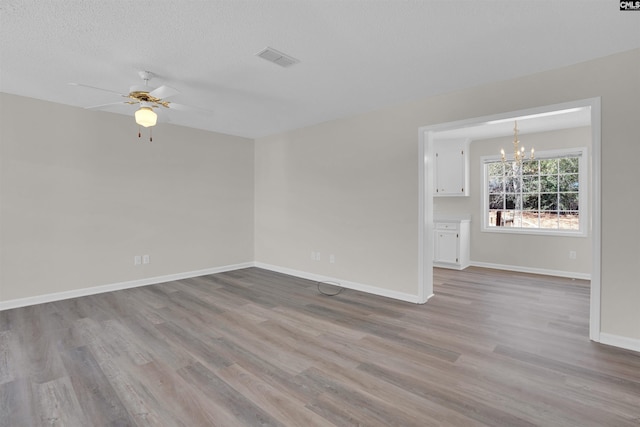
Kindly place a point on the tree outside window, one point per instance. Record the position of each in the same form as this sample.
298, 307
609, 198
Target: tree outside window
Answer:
542, 194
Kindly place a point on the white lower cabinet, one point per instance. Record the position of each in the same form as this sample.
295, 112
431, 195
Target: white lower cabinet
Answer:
451, 243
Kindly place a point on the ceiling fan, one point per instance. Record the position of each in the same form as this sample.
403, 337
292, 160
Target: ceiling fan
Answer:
146, 97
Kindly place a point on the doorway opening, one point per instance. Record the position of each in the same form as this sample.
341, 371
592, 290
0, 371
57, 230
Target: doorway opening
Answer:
551, 116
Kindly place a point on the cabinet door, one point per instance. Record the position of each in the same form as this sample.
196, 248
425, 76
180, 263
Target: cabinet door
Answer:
450, 172
446, 246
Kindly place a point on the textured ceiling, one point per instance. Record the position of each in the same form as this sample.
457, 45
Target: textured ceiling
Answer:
355, 55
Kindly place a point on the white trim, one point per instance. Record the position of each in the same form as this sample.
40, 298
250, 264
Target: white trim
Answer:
533, 231
344, 283
57, 296
425, 176
425, 211
533, 270
534, 116
596, 219
618, 341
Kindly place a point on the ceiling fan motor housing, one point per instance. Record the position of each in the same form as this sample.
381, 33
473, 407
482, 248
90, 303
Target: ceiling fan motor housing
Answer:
138, 88
146, 75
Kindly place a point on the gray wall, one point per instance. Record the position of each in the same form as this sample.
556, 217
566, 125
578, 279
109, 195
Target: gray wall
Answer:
81, 195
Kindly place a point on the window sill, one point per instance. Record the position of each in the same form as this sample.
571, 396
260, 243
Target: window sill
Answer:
534, 232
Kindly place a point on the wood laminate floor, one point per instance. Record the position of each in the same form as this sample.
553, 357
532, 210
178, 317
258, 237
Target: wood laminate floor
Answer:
253, 348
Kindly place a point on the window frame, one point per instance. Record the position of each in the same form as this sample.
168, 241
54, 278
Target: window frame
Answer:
583, 191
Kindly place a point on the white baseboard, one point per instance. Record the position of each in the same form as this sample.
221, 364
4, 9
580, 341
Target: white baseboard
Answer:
57, 296
608, 339
344, 283
618, 341
544, 271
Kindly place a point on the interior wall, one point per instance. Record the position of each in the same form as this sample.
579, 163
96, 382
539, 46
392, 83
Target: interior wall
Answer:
535, 252
81, 195
340, 189
351, 185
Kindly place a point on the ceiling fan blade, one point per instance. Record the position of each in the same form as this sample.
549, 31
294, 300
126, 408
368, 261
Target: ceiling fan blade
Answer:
96, 88
163, 92
101, 106
163, 115
180, 107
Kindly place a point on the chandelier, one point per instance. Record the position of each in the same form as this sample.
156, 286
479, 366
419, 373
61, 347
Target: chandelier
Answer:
518, 151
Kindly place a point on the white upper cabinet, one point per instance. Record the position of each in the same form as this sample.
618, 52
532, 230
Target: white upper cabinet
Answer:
451, 176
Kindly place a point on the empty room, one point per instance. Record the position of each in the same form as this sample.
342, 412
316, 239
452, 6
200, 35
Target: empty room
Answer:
319, 213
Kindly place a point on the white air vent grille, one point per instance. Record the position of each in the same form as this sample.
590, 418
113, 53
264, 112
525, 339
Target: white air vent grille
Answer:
276, 57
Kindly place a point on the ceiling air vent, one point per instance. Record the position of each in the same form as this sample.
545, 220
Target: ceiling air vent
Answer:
276, 57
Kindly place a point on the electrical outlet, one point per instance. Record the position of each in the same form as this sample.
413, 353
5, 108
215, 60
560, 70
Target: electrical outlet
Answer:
313, 256
146, 259
318, 256
572, 255
137, 260
332, 259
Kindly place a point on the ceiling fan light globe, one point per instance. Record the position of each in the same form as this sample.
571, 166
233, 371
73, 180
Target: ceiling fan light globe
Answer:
146, 117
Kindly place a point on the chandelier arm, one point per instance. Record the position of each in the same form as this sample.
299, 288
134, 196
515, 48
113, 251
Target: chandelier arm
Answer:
518, 151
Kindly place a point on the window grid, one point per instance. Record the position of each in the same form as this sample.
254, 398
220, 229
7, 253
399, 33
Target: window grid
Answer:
539, 194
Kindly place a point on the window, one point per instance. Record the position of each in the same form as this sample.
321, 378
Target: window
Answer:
542, 196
